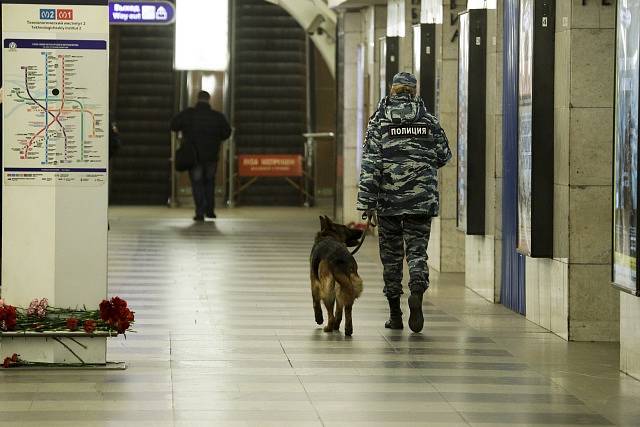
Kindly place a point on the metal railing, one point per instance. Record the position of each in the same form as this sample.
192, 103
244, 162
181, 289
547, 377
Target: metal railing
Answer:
310, 164
231, 178
173, 202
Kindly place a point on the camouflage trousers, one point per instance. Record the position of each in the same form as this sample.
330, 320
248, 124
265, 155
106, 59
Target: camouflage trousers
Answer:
399, 236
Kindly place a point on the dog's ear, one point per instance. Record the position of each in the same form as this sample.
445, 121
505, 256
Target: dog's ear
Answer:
328, 224
323, 223
353, 239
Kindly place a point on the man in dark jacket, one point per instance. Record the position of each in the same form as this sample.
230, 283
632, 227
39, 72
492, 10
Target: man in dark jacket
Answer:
404, 148
205, 129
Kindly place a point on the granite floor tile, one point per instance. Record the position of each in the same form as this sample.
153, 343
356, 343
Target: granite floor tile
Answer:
226, 337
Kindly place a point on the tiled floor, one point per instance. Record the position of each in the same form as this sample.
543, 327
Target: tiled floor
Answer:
226, 336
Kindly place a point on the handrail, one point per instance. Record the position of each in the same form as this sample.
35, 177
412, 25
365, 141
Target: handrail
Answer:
173, 202
319, 135
310, 164
232, 168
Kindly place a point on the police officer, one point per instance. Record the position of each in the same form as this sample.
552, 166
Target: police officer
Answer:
403, 150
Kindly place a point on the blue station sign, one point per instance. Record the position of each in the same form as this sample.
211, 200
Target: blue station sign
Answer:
141, 12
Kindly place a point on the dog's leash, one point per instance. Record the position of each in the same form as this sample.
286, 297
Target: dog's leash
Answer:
370, 224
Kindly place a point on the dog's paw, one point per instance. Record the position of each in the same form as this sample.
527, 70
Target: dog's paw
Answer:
319, 319
328, 328
348, 332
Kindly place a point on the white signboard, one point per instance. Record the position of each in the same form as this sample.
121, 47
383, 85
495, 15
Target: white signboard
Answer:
55, 116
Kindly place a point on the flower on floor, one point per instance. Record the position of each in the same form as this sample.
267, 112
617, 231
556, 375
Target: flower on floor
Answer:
11, 361
8, 317
38, 308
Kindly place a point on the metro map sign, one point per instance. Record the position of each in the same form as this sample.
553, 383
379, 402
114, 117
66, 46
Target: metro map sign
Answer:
141, 12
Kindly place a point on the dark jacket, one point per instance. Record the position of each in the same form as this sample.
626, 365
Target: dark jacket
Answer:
404, 148
203, 127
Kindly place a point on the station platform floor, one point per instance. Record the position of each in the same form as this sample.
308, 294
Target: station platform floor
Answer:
226, 337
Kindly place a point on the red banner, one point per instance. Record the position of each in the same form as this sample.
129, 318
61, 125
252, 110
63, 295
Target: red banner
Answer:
270, 165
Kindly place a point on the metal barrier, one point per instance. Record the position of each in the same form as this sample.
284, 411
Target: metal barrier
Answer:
307, 189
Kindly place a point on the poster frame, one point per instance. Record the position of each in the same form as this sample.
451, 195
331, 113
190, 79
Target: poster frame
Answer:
473, 222
539, 241
614, 284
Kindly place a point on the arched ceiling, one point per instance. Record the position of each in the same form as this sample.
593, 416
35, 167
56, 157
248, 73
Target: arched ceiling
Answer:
320, 23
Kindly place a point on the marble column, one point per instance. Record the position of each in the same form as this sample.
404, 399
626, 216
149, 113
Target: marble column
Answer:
351, 38
447, 244
571, 293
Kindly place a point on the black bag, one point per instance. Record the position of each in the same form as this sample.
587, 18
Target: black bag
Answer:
186, 157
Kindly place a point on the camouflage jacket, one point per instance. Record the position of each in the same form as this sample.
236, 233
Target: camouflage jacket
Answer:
403, 150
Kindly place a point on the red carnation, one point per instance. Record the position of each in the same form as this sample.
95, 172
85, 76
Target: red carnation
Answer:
116, 314
89, 326
14, 358
10, 324
72, 324
105, 310
122, 326
118, 302
7, 362
8, 318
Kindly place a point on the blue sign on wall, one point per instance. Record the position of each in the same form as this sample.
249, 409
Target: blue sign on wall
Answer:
141, 12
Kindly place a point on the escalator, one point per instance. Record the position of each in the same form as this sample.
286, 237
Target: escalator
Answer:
269, 92
142, 103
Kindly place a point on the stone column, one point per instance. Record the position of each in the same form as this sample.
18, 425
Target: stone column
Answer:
630, 335
351, 37
571, 293
446, 246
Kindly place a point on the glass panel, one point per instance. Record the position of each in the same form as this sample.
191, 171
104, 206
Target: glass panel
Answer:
525, 119
463, 91
383, 67
359, 105
417, 50
626, 145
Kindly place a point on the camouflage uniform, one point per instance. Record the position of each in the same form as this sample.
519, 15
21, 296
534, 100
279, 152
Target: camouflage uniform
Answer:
403, 150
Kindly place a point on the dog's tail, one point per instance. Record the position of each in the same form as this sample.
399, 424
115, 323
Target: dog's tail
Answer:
350, 283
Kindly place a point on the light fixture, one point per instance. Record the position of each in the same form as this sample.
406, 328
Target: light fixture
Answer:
202, 33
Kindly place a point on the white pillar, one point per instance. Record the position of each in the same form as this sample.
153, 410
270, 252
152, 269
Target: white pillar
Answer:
55, 155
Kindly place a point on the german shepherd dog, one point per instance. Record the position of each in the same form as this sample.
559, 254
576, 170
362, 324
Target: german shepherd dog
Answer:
334, 274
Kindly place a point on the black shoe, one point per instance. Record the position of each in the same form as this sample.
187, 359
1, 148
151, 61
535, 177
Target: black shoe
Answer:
395, 314
416, 318
211, 215
198, 218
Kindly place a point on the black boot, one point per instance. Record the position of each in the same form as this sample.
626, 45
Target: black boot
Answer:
395, 314
416, 318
